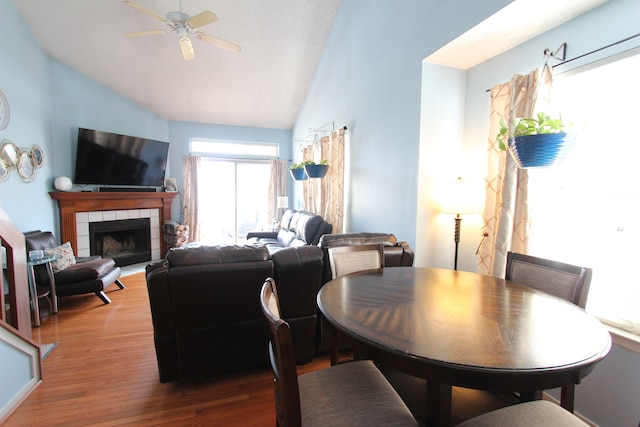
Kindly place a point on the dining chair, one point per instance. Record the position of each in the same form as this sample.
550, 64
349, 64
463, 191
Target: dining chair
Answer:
351, 259
565, 281
346, 260
529, 414
350, 394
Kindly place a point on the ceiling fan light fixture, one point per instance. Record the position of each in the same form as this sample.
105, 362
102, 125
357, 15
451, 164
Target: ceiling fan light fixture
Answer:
187, 48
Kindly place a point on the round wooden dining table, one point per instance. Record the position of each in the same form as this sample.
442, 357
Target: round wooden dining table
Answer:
456, 328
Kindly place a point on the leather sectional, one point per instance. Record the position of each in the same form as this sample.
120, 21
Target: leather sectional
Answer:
297, 228
205, 299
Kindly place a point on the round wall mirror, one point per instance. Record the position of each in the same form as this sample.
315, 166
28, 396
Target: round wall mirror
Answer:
37, 156
9, 152
4, 171
25, 167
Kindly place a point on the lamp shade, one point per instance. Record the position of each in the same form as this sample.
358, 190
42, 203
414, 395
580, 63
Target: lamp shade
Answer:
283, 202
461, 197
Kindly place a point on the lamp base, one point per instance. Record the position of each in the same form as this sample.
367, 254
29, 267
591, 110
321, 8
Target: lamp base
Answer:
456, 239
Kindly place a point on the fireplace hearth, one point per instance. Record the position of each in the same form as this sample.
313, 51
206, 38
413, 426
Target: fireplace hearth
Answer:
126, 241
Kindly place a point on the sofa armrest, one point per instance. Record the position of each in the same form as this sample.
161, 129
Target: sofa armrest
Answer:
262, 234
160, 299
297, 272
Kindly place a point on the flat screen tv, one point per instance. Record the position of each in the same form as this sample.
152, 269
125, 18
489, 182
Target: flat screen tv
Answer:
104, 158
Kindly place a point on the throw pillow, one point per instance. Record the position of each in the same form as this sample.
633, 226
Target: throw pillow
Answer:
65, 252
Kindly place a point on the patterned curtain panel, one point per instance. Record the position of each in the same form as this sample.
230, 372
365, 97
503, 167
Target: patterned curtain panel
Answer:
325, 196
277, 185
190, 166
506, 214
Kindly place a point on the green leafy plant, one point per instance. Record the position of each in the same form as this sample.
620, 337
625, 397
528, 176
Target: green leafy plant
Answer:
301, 164
529, 126
307, 162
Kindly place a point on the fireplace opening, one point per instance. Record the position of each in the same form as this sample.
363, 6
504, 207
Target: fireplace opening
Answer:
127, 241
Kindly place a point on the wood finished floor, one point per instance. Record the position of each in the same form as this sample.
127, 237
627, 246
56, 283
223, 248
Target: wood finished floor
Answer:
104, 373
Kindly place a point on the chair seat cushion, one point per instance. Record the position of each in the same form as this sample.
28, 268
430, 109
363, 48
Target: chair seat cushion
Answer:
84, 271
354, 394
530, 414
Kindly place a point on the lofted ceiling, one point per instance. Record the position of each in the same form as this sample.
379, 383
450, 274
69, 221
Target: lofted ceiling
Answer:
263, 85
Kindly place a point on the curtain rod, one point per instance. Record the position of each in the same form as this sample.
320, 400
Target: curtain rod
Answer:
599, 49
547, 51
314, 133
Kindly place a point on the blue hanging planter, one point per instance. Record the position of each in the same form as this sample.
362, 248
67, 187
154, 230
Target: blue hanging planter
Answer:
540, 150
298, 174
316, 171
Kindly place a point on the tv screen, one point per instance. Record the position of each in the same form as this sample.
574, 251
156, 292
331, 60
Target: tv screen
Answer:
104, 158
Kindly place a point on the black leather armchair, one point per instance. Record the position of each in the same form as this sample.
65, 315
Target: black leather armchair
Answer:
88, 275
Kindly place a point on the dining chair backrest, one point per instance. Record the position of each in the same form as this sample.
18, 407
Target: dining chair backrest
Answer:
566, 281
282, 357
354, 258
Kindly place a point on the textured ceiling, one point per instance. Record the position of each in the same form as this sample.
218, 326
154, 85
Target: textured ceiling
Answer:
261, 86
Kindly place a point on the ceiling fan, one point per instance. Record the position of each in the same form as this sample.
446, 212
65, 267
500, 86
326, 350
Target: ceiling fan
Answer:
184, 25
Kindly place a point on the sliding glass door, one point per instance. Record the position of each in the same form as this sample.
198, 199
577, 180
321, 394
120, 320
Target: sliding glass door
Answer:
232, 199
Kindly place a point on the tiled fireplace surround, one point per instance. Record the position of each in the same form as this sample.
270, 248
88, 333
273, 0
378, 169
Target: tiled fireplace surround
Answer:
84, 218
78, 209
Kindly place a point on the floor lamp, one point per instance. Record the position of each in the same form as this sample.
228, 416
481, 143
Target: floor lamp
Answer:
460, 198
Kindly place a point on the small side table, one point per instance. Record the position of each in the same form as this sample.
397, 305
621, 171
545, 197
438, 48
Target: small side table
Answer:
43, 293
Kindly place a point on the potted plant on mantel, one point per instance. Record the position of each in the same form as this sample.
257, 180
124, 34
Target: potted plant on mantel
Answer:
536, 142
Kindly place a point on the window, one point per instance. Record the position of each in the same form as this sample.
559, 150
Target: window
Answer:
587, 210
237, 149
233, 193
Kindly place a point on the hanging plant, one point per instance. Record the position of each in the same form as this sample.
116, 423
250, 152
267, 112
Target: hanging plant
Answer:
297, 170
536, 142
316, 170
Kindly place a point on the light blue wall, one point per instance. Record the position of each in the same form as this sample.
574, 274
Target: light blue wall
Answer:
48, 103
25, 81
369, 79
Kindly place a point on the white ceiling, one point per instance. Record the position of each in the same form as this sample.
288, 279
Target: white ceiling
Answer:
261, 86
265, 83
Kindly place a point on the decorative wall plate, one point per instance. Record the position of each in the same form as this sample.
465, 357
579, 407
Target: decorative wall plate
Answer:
4, 111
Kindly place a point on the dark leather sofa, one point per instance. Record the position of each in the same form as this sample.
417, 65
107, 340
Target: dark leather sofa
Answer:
205, 306
297, 228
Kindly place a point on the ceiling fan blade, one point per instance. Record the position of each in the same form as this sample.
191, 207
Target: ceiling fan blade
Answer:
202, 19
147, 11
146, 33
222, 44
187, 48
